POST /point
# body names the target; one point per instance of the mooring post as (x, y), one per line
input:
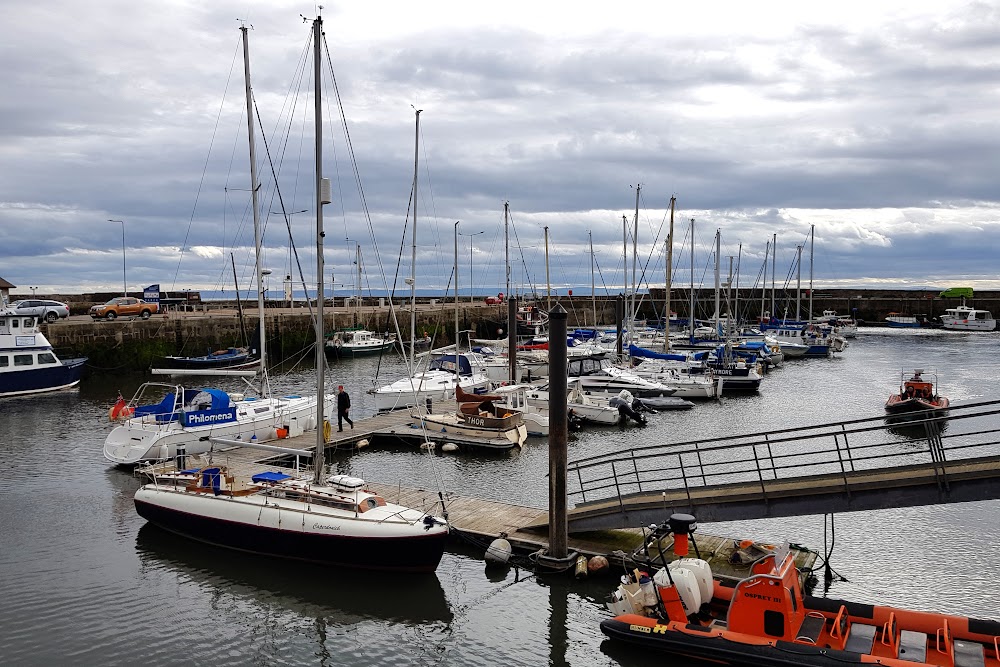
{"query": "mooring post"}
(512, 339)
(619, 317)
(558, 449)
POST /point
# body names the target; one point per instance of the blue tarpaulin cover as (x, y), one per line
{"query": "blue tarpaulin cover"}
(270, 477)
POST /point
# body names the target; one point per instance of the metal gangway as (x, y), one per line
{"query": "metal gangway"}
(861, 464)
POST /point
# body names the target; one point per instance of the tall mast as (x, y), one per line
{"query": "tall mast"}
(774, 257)
(798, 282)
(358, 308)
(812, 243)
(413, 247)
(548, 284)
(691, 311)
(670, 265)
(321, 199)
(593, 294)
(265, 388)
(456, 302)
(763, 283)
(635, 253)
(718, 250)
(506, 248)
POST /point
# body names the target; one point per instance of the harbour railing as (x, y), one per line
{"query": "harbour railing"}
(841, 458)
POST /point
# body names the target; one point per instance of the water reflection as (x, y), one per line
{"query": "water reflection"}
(341, 597)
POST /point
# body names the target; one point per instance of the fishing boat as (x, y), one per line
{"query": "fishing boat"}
(964, 318)
(333, 520)
(28, 365)
(162, 417)
(766, 620)
(901, 321)
(916, 395)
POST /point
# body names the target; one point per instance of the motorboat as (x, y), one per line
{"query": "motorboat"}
(916, 395)
(358, 342)
(436, 383)
(28, 364)
(964, 318)
(589, 408)
(600, 376)
(518, 397)
(339, 522)
(901, 321)
(843, 325)
(766, 620)
(161, 417)
(478, 416)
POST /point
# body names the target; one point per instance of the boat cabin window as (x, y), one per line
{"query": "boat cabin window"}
(447, 363)
(23, 360)
(46, 358)
(4, 361)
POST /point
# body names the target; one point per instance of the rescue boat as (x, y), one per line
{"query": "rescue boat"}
(916, 394)
(765, 620)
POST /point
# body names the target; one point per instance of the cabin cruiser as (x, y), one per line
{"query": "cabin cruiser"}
(964, 318)
(600, 376)
(28, 365)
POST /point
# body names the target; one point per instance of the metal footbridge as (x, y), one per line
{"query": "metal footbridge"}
(863, 464)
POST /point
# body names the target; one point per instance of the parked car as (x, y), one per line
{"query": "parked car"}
(123, 306)
(50, 311)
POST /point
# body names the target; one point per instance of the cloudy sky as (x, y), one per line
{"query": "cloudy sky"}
(873, 123)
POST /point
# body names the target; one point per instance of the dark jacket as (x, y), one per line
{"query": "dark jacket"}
(343, 401)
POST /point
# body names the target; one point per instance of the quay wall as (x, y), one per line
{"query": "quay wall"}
(193, 329)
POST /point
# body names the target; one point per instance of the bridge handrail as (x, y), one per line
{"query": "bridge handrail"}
(717, 457)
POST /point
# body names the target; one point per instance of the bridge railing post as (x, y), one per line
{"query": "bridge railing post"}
(583, 491)
(847, 447)
(843, 468)
(618, 490)
(635, 469)
(687, 488)
(760, 473)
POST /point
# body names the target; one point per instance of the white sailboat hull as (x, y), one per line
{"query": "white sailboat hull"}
(143, 439)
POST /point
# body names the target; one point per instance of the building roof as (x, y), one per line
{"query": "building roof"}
(5, 285)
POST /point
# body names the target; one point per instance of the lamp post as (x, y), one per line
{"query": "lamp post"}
(124, 281)
(471, 298)
(288, 282)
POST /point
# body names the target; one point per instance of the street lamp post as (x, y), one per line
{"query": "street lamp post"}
(124, 281)
(471, 297)
(289, 283)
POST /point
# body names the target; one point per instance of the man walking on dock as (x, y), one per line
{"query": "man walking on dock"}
(343, 407)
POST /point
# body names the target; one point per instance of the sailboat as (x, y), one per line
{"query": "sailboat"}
(335, 521)
(216, 362)
(161, 417)
(444, 372)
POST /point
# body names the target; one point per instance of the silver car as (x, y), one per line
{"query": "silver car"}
(50, 311)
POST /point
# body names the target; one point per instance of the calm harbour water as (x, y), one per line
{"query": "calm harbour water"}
(85, 581)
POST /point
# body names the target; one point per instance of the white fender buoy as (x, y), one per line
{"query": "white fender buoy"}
(498, 552)
(449, 447)
(428, 446)
(362, 443)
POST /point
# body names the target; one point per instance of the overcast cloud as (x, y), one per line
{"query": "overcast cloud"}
(876, 123)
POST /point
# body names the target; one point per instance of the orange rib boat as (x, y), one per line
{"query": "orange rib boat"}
(765, 620)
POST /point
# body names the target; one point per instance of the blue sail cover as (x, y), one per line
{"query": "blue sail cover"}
(636, 351)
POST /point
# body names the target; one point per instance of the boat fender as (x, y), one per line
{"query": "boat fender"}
(362, 443)
(702, 572)
(580, 569)
(686, 584)
(598, 565)
(499, 551)
(428, 446)
(449, 447)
